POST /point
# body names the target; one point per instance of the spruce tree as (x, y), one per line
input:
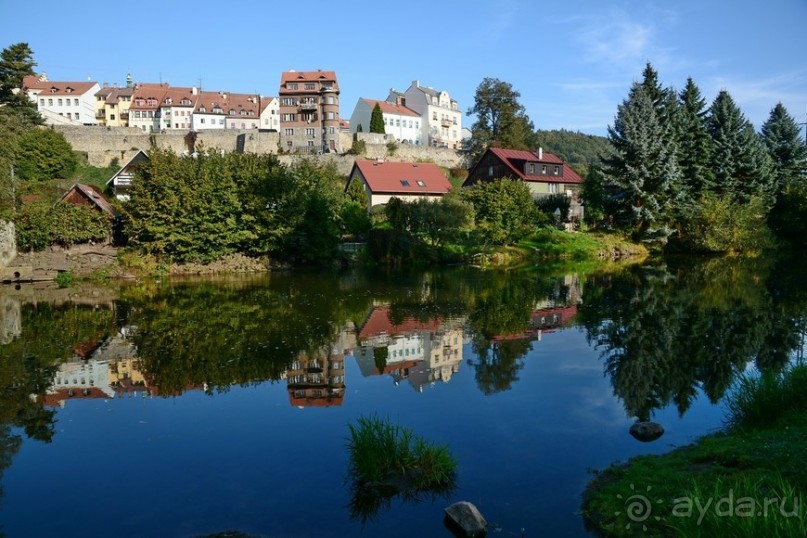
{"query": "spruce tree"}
(740, 163)
(643, 168)
(782, 138)
(695, 145)
(377, 120)
(16, 62)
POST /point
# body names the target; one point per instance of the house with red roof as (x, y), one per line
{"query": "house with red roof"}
(543, 172)
(409, 182)
(72, 101)
(399, 121)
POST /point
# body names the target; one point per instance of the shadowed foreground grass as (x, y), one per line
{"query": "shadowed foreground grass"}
(747, 481)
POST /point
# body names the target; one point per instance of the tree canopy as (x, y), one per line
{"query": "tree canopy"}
(377, 120)
(16, 62)
(501, 119)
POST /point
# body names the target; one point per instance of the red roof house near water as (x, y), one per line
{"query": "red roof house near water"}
(407, 181)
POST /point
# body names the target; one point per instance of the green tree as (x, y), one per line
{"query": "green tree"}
(501, 120)
(643, 169)
(16, 62)
(377, 120)
(504, 211)
(694, 142)
(44, 154)
(742, 167)
(782, 138)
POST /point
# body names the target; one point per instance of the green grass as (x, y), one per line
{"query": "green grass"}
(753, 468)
(389, 461)
(581, 246)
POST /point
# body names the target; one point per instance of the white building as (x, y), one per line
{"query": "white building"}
(74, 101)
(441, 117)
(270, 113)
(399, 121)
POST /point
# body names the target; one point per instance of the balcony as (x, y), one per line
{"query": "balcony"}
(445, 122)
(309, 106)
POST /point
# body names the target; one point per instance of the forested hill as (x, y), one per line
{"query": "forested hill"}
(579, 150)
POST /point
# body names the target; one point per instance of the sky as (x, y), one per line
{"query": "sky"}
(572, 62)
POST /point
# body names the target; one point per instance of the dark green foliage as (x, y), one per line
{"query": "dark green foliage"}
(501, 120)
(788, 218)
(436, 222)
(741, 166)
(504, 211)
(41, 224)
(203, 208)
(44, 154)
(16, 62)
(760, 401)
(694, 142)
(377, 120)
(359, 147)
(643, 170)
(549, 204)
(716, 224)
(579, 150)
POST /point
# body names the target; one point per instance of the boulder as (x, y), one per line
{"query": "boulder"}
(465, 517)
(646, 431)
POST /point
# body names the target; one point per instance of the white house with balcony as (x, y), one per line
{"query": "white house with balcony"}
(74, 101)
(399, 121)
(441, 117)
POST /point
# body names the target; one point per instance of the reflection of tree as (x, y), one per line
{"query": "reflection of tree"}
(663, 332)
(497, 364)
(192, 335)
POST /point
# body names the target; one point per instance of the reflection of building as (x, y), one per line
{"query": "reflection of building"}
(106, 370)
(542, 320)
(421, 351)
(317, 381)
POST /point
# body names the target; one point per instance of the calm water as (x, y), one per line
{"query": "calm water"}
(189, 408)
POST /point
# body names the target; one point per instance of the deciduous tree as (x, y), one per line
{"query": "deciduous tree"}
(501, 119)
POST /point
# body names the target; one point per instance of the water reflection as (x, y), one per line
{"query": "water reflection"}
(664, 334)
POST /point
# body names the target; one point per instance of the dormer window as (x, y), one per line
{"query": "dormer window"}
(291, 86)
(168, 101)
(232, 112)
(186, 101)
(201, 110)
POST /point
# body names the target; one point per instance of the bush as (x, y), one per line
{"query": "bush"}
(719, 224)
(44, 154)
(39, 225)
(359, 147)
(504, 211)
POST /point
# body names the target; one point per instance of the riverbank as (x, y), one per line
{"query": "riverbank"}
(749, 480)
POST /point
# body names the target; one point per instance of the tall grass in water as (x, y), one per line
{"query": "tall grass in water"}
(760, 401)
(388, 460)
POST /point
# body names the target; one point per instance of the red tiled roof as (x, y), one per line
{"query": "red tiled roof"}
(510, 156)
(53, 399)
(51, 87)
(391, 108)
(231, 101)
(402, 178)
(378, 322)
(307, 76)
(146, 92)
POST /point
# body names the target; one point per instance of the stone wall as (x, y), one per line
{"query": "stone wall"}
(8, 243)
(103, 144)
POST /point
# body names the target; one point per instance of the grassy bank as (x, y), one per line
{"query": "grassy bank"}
(581, 246)
(748, 480)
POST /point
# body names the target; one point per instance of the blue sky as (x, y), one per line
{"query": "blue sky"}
(572, 62)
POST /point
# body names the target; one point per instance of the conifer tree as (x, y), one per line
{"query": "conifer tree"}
(782, 138)
(377, 120)
(739, 161)
(695, 145)
(643, 168)
(16, 62)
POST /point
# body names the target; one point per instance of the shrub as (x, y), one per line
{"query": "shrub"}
(719, 224)
(39, 225)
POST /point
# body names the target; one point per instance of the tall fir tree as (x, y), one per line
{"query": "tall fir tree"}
(17, 62)
(643, 169)
(377, 120)
(695, 144)
(782, 137)
(740, 163)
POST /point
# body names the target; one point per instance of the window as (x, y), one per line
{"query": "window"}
(287, 117)
(310, 143)
(557, 170)
(311, 132)
(532, 169)
(421, 183)
(410, 124)
(332, 130)
(75, 102)
(111, 116)
(543, 169)
(329, 100)
(291, 86)
(404, 183)
(331, 116)
(553, 188)
(289, 132)
(201, 120)
(288, 101)
(490, 171)
(41, 102)
(309, 86)
(60, 102)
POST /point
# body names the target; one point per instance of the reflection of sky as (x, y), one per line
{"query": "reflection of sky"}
(247, 460)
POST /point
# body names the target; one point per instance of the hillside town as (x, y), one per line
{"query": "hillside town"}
(305, 111)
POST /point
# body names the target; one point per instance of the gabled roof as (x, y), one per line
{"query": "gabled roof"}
(307, 76)
(91, 195)
(391, 108)
(141, 155)
(515, 159)
(379, 322)
(402, 178)
(227, 101)
(146, 92)
(52, 87)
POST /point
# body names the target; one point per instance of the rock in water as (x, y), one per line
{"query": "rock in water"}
(467, 518)
(646, 431)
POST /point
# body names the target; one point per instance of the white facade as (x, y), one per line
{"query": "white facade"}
(74, 101)
(270, 115)
(399, 121)
(441, 117)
